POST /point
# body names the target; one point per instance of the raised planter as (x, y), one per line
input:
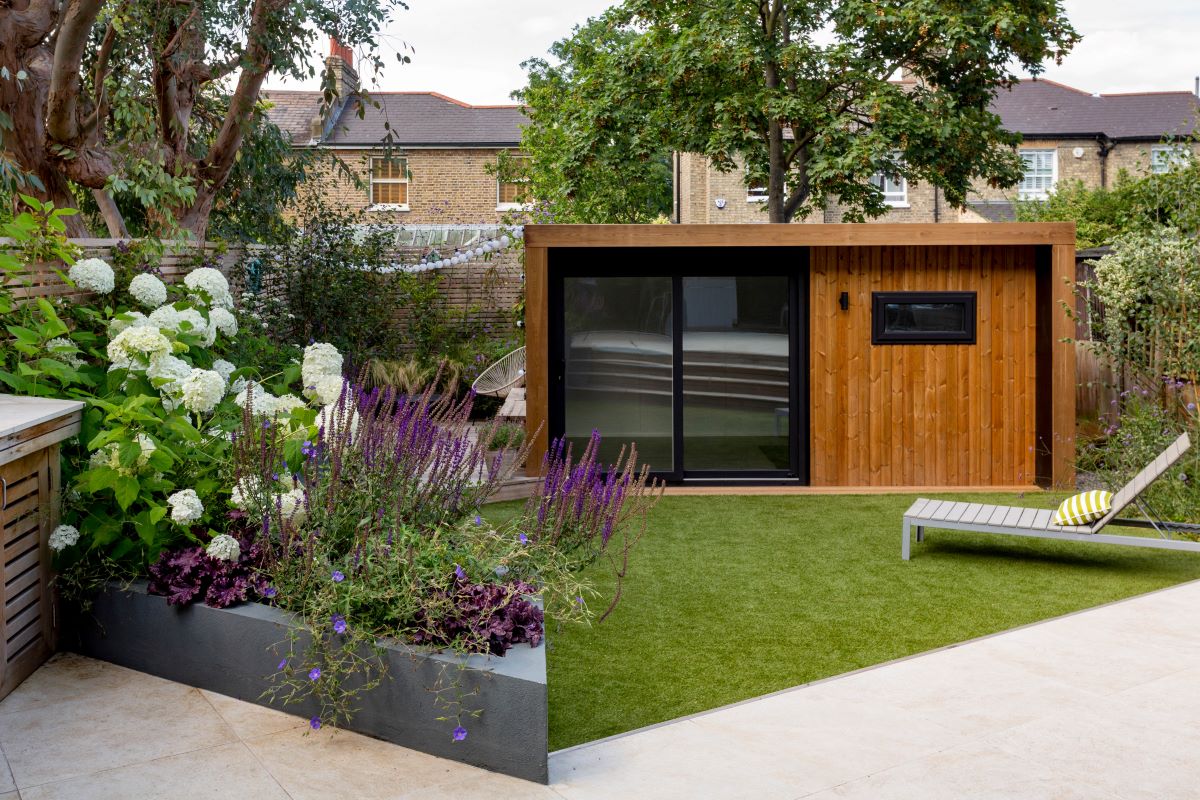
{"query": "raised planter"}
(233, 651)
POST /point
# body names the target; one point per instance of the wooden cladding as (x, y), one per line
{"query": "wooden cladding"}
(996, 412)
(923, 414)
(26, 616)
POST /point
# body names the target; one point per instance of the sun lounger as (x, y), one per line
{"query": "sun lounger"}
(1039, 523)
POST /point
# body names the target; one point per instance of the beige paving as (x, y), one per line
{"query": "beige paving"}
(1102, 705)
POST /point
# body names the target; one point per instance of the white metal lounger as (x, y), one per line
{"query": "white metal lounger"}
(949, 515)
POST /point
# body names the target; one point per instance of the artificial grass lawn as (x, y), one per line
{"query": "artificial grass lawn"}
(729, 598)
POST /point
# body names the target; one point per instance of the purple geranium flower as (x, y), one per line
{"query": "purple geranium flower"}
(315, 723)
(282, 664)
(314, 673)
(337, 576)
(339, 623)
(459, 572)
(478, 520)
(523, 538)
(270, 592)
(460, 733)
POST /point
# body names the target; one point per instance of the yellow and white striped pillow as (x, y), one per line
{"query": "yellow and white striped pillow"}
(1083, 508)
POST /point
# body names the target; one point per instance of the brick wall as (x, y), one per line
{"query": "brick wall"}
(445, 187)
(702, 185)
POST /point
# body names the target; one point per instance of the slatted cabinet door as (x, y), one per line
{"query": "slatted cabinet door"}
(26, 616)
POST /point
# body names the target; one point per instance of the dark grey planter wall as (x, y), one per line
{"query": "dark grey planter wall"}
(233, 651)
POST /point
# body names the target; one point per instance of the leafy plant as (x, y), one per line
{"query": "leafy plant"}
(190, 575)
(507, 435)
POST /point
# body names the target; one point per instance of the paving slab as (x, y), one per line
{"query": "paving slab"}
(1098, 705)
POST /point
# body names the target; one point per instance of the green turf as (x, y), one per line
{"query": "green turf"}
(733, 597)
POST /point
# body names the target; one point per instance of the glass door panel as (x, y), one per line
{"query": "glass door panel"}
(618, 366)
(736, 374)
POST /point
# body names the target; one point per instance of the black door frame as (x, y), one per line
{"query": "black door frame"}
(678, 263)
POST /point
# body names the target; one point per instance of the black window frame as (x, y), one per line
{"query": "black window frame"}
(879, 300)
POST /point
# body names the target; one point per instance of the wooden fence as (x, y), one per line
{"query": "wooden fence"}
(489, 288)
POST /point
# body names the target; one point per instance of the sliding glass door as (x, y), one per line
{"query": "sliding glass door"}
(700, 371)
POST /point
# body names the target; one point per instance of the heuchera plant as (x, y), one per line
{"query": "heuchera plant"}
(190, 575)
(492, 616)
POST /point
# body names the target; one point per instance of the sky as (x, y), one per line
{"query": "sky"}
(472, 49)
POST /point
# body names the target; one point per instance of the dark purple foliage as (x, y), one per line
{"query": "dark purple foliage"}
(187, 575)
(486, 617)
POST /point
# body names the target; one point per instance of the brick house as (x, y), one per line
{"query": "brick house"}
(1068, 134)
(422, 157)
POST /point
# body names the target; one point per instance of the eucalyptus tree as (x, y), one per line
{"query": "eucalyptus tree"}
(813, 97)
(148, 103)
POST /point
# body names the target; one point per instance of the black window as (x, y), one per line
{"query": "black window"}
(923, 318)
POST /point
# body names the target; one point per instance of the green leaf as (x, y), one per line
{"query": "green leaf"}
(126, 490)
(129, 453)
(180, 426)
(100, 478)
(157, 513)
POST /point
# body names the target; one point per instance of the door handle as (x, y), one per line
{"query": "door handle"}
(4, 502)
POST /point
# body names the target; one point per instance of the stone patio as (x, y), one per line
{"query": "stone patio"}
(1100, 705)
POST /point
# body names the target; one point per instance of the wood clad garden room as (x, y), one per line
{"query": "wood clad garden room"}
(894, 356)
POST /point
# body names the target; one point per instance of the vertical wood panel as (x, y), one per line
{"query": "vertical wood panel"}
(922, 414)
(537, 356)
(1064, 377)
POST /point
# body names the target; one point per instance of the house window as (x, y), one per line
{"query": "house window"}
(1166, 157)
(389, 183)
(510, 195)
(1041, 173)
(923, 318)
(894, 188)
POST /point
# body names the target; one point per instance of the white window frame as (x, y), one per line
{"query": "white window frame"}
(502, 206)
(1165, 157)
(755, 194)
(372, 205)
(1030, 187)
(897, 195)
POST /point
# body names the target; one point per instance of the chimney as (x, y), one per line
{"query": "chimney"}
(1198, 86)
(341, 63)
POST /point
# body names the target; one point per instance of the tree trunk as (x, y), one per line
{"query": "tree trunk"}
(776, 173)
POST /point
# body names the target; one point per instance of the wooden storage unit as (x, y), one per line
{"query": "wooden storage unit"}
(31, 429)
(996, 409)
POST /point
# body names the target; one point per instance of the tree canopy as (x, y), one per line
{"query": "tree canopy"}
(148, 105)
(806, 94)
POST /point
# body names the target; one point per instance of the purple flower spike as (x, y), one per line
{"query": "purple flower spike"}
(460, 733)
(282, 665)
(314, 674)
(315, 723)
(339, 623)
(337, 576)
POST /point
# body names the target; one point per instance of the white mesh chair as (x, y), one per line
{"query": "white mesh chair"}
(502, 377)
(1039, 523)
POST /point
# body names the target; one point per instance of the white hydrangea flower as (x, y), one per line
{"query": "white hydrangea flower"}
(224, 547)
(225, 368)
(238, 386)
(242, 491)
(173, 319)
(167, 373)
(202, 390)
(185, 506)
(129, 319)
(320, 359)
(65, 351)
(63, 537)
(138, 348)
(148, 290)
(328, 389)
(223, 320)
(148, 448)
(287, 403)
(209, 286)
(93, 275)
(291, 506)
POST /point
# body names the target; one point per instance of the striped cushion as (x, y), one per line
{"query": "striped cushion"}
(1083, 508)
